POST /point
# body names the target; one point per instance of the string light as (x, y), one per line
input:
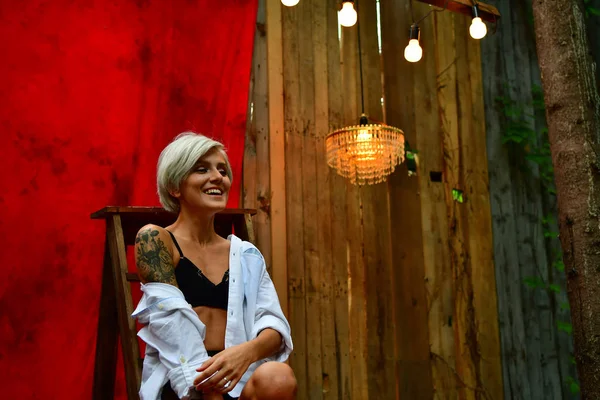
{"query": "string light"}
(290, 3)
(413, 52)
(477, 30)
(347, 16)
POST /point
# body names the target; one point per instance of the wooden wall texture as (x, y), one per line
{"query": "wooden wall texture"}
(536, 355)
(390, 289)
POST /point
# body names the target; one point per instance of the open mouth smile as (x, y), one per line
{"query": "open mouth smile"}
(214, 192)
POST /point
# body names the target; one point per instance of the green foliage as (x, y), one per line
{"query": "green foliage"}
(590, 10)
(521, 134)
(553, 287)
(520, 129)
(534, 282)
(559, 265)
(573, 385)
(564, 327)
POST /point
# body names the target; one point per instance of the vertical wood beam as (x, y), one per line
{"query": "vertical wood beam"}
(438, 272)
(474, 169)
(413, 370)
(357, 300)
(376, 227)
(339, 209)
(128, 331)
(326, 283)
(294, 130)
(277, 161)
(309, 195)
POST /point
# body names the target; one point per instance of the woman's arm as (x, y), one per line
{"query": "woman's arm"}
(153, 257)
(266, 344)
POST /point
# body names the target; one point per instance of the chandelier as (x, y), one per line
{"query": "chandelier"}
(365, 153)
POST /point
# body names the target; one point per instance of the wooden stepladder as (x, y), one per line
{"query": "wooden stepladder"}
(116, 303)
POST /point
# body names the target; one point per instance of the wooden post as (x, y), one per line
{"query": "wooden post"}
(474, 170)
(357, 300)
(309, 195)
(438, 272)
(412, 335)
(128, 331)
(326, 283)
(277, 159)
(293, 124)
(339, 208)
(377, 240)
(108, 333)
(256, 173)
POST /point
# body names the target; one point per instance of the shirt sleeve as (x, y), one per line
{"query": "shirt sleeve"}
(269, 315)
(175, 332)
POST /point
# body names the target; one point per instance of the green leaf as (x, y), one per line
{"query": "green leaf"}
(534, 282)
(550, 234)
(554, 287)
(548, 219)
(593, 11)
(565, 326)
(512, 138)
(540, 159)
(573, 385)
(457, 195)
(565, 306)
(559, 265)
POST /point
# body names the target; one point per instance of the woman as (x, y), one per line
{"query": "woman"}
(212, 320)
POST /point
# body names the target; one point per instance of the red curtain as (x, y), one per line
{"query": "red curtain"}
(90, 92)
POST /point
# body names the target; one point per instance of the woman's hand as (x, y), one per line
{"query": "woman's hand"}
(223, 371)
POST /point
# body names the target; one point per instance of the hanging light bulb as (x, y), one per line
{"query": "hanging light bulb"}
(347, 15)
(290, 3)
(413, 52)
(477, 30)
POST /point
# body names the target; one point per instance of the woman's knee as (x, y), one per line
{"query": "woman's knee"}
(274, 380)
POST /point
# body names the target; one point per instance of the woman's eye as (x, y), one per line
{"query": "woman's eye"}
(202, 170)
(223, 172)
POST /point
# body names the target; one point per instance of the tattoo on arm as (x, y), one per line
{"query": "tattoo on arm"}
(154, 262)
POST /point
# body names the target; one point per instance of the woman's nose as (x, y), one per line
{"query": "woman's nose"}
(215, 176)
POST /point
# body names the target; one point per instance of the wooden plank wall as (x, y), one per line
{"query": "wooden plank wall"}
(389, 288)
(536, 355)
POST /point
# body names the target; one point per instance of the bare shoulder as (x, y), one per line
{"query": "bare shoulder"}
(153, 255)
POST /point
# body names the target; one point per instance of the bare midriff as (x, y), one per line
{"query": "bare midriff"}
(215, 320)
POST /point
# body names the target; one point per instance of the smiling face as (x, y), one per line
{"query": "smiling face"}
(207, 186)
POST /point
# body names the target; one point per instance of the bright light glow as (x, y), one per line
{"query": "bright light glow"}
(413, 52)
(364, 146)
(477, 28)
(347, 15)
(290, 3)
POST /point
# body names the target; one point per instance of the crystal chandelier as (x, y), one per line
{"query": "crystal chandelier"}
(365, 153)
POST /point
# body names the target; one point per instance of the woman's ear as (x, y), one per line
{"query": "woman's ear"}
(175, 193)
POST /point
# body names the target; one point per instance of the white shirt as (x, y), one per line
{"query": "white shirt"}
(174, 335)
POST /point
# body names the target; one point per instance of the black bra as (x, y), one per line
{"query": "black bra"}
(196, 287)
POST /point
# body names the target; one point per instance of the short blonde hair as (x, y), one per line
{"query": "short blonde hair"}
(176, 162)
